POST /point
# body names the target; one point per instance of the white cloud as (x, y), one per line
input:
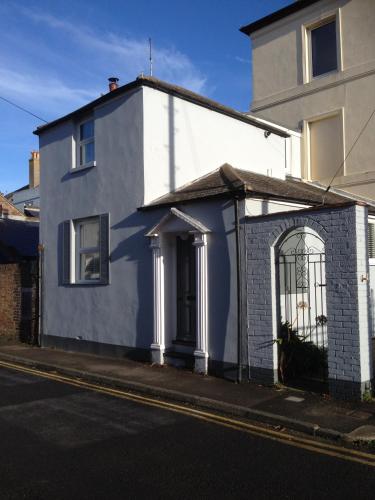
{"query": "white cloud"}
(242, 60)
(129, 54)
(41, 94)
(49, 84)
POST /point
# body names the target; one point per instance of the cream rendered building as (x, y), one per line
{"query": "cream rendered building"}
(314, 71)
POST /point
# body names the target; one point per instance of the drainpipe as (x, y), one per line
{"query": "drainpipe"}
(40, 294)
(238, 197)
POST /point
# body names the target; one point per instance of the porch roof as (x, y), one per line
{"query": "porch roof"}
(230, 181)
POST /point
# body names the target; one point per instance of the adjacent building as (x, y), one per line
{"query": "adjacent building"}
(26, 198)
(19, 279)
(314, 71)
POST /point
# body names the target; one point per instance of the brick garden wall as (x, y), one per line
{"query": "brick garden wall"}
(19, 301)
(344, 231)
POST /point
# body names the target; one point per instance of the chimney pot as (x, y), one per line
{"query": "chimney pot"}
(113, 83)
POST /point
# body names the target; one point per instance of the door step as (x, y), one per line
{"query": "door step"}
(179, 359)
(183, 347)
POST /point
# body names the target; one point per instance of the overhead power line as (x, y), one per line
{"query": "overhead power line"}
(350, 150)
(23, 109)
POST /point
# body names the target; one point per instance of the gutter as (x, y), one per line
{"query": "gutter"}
(276, 16)
(167, 88)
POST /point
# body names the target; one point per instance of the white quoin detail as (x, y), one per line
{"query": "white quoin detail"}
(158, 344)
(201, 352)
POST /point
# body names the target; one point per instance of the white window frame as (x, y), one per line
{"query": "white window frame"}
(78, 143)
(307, 28)
(78, 251)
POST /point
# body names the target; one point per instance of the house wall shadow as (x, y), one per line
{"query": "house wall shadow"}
(135, 248)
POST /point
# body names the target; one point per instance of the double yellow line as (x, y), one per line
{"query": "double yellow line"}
(231, 423)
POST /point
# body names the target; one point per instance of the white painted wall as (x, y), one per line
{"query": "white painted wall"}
(257, 206)
(183, 141)
(293, 149)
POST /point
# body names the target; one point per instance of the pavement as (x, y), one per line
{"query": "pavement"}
(281, 407)
(65, 441)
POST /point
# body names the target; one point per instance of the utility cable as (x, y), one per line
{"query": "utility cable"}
(23, 109)
(346, 157)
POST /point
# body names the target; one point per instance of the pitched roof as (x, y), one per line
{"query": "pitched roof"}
(227, 181)
(167, 88)
(8, 207)
(20, 236)
(277, 15)
(23, 188)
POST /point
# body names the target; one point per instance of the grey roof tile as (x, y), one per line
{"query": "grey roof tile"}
(227, 180)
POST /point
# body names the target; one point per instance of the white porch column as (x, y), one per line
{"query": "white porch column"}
(201, 352)
(158, 344)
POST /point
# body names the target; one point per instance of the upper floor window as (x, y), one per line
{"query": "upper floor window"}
(323, 48)
(86, 147)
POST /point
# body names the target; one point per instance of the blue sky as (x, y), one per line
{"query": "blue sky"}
(57, 55)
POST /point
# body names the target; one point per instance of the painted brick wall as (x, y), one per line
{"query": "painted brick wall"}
(19, 301)
(344, 231)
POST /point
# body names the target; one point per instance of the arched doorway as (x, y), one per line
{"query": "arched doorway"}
(302, 337)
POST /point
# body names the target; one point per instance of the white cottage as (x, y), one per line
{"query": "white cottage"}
(154, 251)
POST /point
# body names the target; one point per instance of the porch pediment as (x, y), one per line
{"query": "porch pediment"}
(177, 221)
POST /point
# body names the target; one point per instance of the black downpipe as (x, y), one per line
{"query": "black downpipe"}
(239, 292)
(40, 294)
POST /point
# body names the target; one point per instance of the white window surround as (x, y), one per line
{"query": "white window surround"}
(306, 44)
(79, 147)
(200, 243)
(306, 139)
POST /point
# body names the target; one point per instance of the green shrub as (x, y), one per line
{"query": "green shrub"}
(298, 356)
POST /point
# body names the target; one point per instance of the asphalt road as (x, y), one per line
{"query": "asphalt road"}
(60, 441)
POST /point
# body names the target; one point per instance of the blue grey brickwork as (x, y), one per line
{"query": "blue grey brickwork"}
(344, 231)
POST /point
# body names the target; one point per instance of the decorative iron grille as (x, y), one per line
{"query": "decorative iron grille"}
(302, 285)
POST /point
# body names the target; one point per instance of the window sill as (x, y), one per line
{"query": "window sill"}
(323, 75)
(81, 168)
(87, 283)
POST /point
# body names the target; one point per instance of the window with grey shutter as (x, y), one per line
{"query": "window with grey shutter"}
(104, 248)
(66, 257)
(86, 251)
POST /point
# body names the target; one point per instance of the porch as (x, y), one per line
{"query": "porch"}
(313, 269)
